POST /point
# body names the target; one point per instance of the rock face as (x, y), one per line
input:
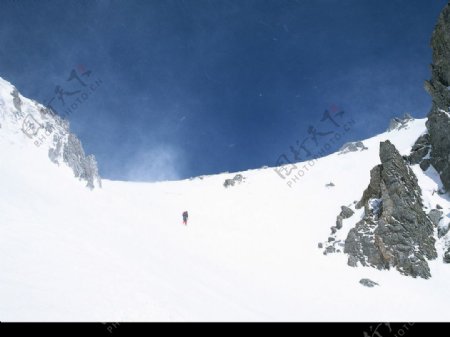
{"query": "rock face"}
(438, 123)
(395, 231)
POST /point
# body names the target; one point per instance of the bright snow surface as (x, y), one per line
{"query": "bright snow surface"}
(249, 252)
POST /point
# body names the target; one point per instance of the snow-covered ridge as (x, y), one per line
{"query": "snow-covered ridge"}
(26, 122)
(249, 251)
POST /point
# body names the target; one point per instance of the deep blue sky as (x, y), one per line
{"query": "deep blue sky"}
(192, 87)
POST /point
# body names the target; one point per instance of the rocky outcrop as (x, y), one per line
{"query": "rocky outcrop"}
(447, 256)
(398, 123)
(438, 123)
(368, 283)
(395, 231)
(443, 230)
(238, 178)
(346, 212)
(335, 244)
(420, 152)
(352, 147)
(435, 216)
(84, 167)
(65, 147)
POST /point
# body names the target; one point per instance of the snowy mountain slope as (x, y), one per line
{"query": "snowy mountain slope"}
(26, 122)
(249, 252)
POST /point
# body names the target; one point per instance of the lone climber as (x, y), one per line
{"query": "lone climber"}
(185, 217)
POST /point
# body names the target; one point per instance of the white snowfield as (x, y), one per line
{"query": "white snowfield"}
(249, 252)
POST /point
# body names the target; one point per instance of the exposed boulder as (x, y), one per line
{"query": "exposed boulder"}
(346, 212)
(339, 220)
(238, 178)
(352, 147)
(329, 250)
(395, 231)
(228, 183)
(443, 230)
(447, 256)
(368, 283)
(435, 216)
(330, 184)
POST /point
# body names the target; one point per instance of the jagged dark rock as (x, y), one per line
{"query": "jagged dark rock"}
(447, 256)
(339, 220)
(435, 216)
(320, 245)
(373, 188)
(420, 150)
(425, 164)
(443, 230)
(329, 250)
(346, 212)
(329, 185)
(438, 123)
(228, 183)
(395, 231)
(368, 283)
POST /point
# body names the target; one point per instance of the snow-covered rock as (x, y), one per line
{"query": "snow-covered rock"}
(22, 119)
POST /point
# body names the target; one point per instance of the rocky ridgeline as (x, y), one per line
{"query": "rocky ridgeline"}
(46, 129)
